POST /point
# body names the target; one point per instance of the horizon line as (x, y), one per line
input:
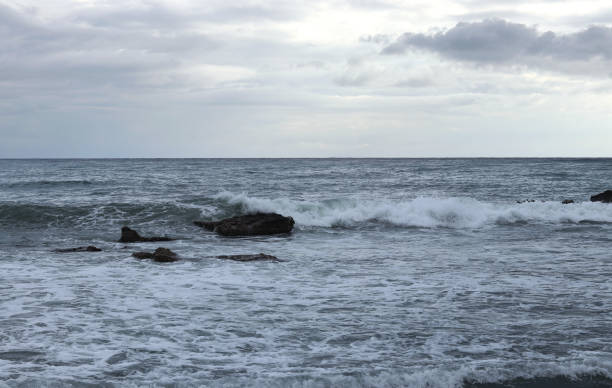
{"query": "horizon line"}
(306, 157)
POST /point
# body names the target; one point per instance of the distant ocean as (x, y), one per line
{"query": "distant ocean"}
(398, 273)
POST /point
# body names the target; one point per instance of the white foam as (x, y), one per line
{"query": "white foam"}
(451, 212)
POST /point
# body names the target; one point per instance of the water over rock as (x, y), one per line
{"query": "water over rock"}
(567, 201)
(257, 257)
(129, 236)
(250, 225)
(89, 248)
(606, 197)
(162, 255)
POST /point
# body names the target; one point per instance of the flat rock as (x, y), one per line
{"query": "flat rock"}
(250, 225)
(129, 236)
(89, 248)
(606, 197)
(162, 255)
(257, 257)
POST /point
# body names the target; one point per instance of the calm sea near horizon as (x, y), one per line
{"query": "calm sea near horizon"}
(398, 273)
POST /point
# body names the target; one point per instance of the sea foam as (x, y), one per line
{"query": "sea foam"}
(429, 212)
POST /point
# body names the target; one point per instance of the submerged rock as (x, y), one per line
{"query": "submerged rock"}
(606, 197)
(129, 235)
(250, 225)
(162, 255)
(89, 248)
(567, 201)
(258, 257)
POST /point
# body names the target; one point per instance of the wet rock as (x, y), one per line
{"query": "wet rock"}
(129, 236)
(142, 255)
(162, 255)
(89, 248)
(250, 225)
(526, 201)
(567, 201)
(606, 197)
(258, 257)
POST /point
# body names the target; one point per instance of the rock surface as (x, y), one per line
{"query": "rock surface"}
(129, 236)
(606, 197)
(567, 201)
(89, 248)
(162, 255)
(250, 225)
(258, 257)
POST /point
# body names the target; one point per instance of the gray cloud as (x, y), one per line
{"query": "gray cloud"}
(496, 41)
(214, 78)
(159, 16)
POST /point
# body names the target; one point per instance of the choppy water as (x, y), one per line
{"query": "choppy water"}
(416, 273)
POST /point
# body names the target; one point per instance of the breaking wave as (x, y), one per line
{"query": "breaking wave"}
(421, 212)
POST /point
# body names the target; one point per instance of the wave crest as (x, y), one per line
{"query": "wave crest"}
(420, 212)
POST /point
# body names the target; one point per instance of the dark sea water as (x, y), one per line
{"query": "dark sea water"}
(399, 273)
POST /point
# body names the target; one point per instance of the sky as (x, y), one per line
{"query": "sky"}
(337, 78)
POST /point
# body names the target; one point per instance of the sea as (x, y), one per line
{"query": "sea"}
(398, 273)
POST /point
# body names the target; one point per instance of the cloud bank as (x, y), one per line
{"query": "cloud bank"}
(496, 41)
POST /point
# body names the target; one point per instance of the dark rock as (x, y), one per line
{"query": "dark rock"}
(207, 225)
(250, 225)
(259, 257)
(129, 236)
(142, 255)
(89, 248)
(567, 201)
(526, 201)
(606, 197)
(162, 255)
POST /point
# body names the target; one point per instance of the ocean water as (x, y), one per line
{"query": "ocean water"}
(399, 273)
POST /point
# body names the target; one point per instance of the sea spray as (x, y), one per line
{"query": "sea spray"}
(428, 212)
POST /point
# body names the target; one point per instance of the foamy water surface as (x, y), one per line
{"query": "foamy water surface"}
(416, 273)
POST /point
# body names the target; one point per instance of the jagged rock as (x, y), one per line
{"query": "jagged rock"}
(129, 236)
(567, 201)
(162, 255)
(258, 257)
(606, 197)
(250, 225)
(89, 248)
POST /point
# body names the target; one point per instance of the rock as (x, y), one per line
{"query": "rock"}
(259, 257)
(606, 197)
(207, 225)
(142, 255)
(567, 201)
(129, 236)
(162, 255)
(89, 248)
(526, 201)
(250, 225)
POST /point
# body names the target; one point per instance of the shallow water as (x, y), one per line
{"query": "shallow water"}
(400, 272)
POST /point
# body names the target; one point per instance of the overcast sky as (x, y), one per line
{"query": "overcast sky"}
(345, 78)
